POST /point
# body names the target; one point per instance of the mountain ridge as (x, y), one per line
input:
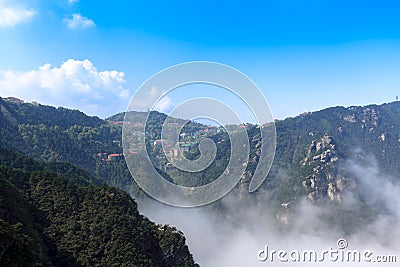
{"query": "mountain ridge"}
(313, 168)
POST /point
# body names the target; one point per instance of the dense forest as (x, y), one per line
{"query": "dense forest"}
(56, 214)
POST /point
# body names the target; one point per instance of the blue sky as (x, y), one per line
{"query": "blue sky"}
(304, 55)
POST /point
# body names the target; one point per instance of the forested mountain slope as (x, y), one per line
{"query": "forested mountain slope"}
(312, 149)
(55, 214)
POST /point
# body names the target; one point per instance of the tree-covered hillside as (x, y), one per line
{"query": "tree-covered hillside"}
(55, 214)
(62, 135)
(310, 162)
(313, 149)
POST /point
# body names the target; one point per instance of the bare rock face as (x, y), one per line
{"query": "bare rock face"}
(323, 175)
(322, 150)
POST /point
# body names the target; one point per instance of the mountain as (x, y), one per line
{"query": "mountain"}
(313, 157)
(56, 214)
(315, 147)
(61, 135)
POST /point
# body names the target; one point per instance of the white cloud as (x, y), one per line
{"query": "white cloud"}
(76, 84)
(78, 21)
(73, 1)
(164, 105)
(13, 15)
